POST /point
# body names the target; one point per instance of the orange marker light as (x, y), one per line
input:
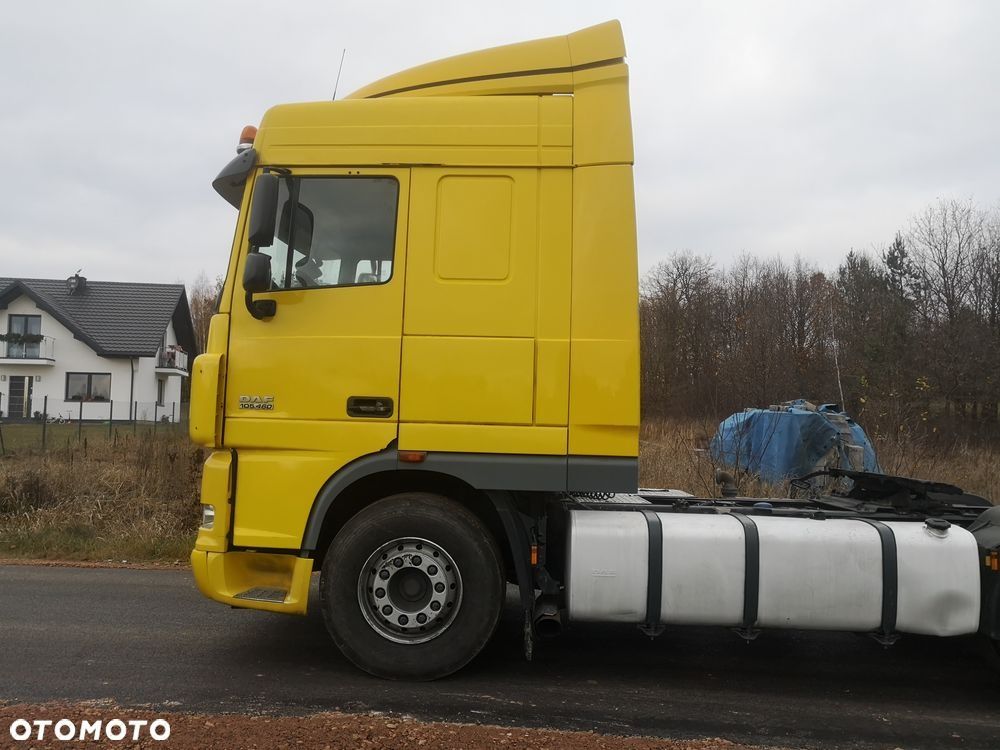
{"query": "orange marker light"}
(534, 554)
(246, 138)
(412, 457)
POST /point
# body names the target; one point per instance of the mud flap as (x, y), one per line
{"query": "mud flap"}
(520, 549)
(986, 530)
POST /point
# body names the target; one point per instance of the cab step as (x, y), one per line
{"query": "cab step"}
(263, 594)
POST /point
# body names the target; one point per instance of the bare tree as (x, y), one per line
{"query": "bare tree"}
(945, 238)
(202, 297)
(915, 326)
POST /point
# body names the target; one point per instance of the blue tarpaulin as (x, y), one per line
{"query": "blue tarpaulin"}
(792, 440)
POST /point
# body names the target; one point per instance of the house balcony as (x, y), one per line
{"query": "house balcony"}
(172, 362)
(33, 352)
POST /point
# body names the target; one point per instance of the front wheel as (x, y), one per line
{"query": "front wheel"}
(412, 587)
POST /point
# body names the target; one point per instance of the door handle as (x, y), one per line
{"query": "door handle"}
(369, 406)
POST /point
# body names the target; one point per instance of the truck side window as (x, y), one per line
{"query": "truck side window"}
(333, 231)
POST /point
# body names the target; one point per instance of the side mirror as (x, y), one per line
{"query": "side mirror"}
(263, 209)
(257, 278)
(257, 273)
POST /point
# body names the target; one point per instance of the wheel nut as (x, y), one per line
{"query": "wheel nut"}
(383, 574)
(398, 562)
(421, 618)
(387, 610)
(379, 593)
(415, 560)
(432, 570)
(435, 606)
(439, 587)
(403, 619)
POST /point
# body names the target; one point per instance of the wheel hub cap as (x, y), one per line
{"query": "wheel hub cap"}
(409, 590)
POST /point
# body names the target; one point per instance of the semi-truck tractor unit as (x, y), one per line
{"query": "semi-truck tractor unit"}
(422, 382)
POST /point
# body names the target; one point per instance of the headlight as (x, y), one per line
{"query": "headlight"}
(207, 516)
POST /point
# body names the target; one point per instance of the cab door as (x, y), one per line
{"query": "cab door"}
(317, 385)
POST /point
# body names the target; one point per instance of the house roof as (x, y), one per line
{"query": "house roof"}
(114, 318)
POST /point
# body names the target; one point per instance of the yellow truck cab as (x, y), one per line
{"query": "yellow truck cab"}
(430, 304)
(422, 381)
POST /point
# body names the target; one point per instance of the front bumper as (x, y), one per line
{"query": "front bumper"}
(254, 580)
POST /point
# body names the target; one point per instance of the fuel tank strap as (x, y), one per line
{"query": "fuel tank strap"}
(751, 571)
(654, 582)
(890, 576)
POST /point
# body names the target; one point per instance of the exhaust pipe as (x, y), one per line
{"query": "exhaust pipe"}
(728, 483)
(548, 619)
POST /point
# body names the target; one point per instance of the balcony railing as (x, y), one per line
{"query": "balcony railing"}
(172, 359)
(43, 348)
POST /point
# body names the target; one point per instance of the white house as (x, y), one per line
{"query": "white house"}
(99, 349)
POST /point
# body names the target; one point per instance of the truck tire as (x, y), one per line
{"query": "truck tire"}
(412, 587)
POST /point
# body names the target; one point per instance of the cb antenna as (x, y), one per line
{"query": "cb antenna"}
(836, 358)
(339, 71)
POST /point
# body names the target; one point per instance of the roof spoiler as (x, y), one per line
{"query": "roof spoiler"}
(541, 66)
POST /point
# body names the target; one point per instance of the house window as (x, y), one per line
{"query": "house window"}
(159, 391)
(88, 386)
(25, 343)
(343, 233)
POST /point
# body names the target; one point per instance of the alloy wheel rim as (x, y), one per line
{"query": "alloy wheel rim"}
(410, 590)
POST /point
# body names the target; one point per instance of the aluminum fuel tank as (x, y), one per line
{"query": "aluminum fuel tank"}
(762, 571)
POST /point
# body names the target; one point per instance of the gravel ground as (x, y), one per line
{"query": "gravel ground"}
(326, 731)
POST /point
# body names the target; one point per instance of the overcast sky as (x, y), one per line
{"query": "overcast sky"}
(771, 127)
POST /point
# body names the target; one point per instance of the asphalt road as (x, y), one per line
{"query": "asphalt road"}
(146, 637)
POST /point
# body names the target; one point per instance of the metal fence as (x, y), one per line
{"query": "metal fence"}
(48, 422)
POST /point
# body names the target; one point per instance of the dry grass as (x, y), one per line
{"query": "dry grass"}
(674, 454)
(135, 497)
(940, 456)
(27, 437)
(131, 498)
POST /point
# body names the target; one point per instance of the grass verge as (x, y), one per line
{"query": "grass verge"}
(131, 497)
(674, 453)
(134, 497)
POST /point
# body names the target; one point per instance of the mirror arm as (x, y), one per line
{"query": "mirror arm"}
(260, 308)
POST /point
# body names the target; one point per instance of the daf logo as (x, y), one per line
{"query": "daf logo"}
(265, 403)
